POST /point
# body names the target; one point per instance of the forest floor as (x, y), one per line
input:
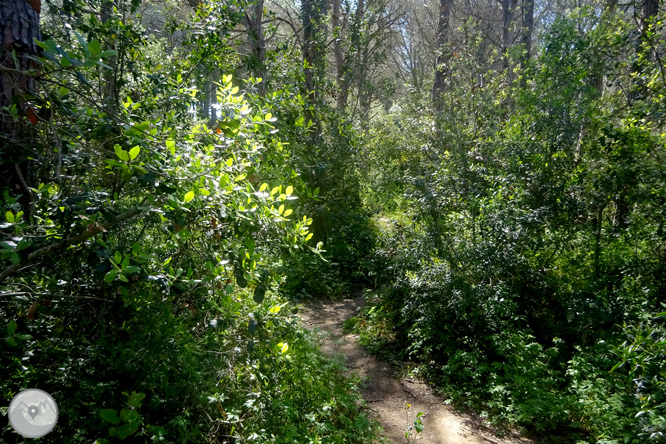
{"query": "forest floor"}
(394, 400)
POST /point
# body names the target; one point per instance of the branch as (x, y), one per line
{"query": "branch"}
(28, 293)
(91, 231)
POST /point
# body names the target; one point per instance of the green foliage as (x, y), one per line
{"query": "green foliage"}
(140, 275)
(521, 227)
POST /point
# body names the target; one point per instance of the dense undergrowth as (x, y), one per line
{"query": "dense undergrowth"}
(147, 254)
(161, 204)
(522, 239)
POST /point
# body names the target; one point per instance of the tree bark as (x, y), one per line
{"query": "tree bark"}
(20, 27)
(343, 86)
(526, 37)
(443, 54)
(507, 18)
(256, 34)
(314, 58)
(110, 90)
(19, 20)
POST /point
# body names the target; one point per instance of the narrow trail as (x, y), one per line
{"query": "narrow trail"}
(388, 396)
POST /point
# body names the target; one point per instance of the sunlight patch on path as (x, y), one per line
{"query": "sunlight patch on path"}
(394, 402)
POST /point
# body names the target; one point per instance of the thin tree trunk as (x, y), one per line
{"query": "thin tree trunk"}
(110, 90)
(526, 40)
(314, 58)
(507, 18)
(343, 86)
(256, 34)
(443, 54)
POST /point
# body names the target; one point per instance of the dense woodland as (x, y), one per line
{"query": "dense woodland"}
(177, 176)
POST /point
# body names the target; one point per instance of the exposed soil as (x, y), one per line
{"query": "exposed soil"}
(389, 396)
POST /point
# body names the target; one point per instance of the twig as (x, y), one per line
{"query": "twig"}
(31, 209)
(494, 441)
(405, 389)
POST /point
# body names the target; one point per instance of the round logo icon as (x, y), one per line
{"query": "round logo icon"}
(33, 413)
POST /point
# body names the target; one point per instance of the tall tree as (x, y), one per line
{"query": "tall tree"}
(254, 25)
(19, 20)
(313, 13)
(507, 19)
(443, 53)
(343, 85)
(526, 34)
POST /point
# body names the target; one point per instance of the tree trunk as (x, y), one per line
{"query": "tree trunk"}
(19, 20)
(526, 37)
(507, 18)
(443, 54)
(256, 34)
(20, 27)
(343, 86)
(110, 90)
(314, 58)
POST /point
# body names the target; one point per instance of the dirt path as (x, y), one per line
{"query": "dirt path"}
(387, 396)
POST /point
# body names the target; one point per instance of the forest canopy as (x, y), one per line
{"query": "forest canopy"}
(176, 177)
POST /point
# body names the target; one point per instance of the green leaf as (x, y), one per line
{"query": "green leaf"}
(117, 257)
(134, 152)
(171, 146)
(63, 91)
(11, 328)
(268, 116)
(123, 278)
(229, 288)
(275, 309)
(259, 294)
(108, 53)
(11, 341)
(132, 269)
(15, 258)
(283, 346)
(127, 429)
(9, 245)
(121, 153)
(189, 196)
(288, 212)
(128, 415)
(110, 415)
(290, 190)
(9, 216)
(110, 276)
(83, 43)
(23, 337)
(95, 48)
(136, 399)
